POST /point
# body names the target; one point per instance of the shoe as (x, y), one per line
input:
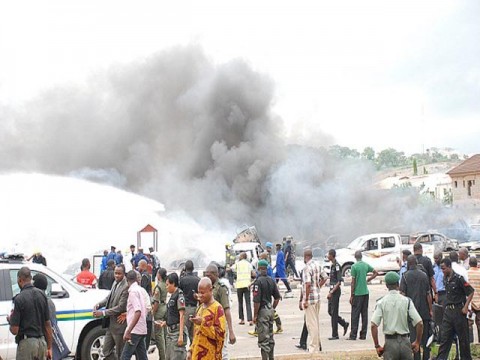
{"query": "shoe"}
(250, 323)
(253, 333)
(300, 346)
(288, 291)
(278, 331)
(345, 328)
(241, 322)
(333, 338)
(362, 338)
(349, 338)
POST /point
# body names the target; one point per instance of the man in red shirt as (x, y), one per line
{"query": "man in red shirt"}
(86, 277)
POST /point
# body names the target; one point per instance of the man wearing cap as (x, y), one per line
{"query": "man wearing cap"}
(111, 255)
(155, 260)
(264, 288)
(396, 311)
(269, 248)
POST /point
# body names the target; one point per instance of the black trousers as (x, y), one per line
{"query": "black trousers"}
(454, 322)
(333, 305)
(304, 336)
(291, 263)
(241, 294)
(285, 281)
(359, 308)
(425, 335)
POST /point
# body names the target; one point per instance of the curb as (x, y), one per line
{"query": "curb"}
(344, 354)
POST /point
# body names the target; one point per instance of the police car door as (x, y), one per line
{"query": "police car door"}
(7, 340)
(388, 253)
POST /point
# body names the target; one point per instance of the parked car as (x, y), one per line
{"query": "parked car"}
(382, 251)
(439, 241)
(82, 332)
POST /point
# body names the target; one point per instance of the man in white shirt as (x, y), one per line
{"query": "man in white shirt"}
(456, 267)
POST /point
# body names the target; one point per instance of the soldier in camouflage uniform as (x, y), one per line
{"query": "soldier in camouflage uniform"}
(264, 288)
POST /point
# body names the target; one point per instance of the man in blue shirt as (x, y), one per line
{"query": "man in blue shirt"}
(119, 258)
(440, 296)
(139, 256)
(112, 254)
(281, 274)
(103, 265)
(403, 264)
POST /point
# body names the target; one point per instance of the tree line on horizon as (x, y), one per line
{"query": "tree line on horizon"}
(392, 158)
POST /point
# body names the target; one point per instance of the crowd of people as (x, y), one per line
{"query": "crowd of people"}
(188, 317)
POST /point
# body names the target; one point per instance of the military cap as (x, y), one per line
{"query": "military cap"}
(392, 278)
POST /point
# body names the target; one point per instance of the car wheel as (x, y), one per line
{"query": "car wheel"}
(92, 347)
(347, 271)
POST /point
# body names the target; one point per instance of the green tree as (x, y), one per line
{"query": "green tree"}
(368, 153)
(391, 158)
(415, 169)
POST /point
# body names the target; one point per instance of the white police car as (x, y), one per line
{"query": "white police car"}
(83, 333)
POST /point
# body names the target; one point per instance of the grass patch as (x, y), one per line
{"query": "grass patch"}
(474, 348)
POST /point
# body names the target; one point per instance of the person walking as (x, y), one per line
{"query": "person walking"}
(159, 311)
(107, 278)
(114, 305)
(359, 297)
(30, 320)
(280, 273)
(243, 269)
(119, 258)
(112, 254)
(175, 322)
(396, 311)
(403, 263)
(459, 296)
(264, 289)
(289, 256)
(136, 330)
(146, 283)
(334, 296)
(210, 325)
(313, 279)
(189, 285)
(220, 294)
(416, 285)
(155, 260)
(86, 277)
(474, 280)
(440, 294)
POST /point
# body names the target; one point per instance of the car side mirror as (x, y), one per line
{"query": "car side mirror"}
(57, 291)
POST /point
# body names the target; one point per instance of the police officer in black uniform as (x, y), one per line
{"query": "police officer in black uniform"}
(30, 320)
(189, 286)
(459, 296)
(264, 289)
(334, 295)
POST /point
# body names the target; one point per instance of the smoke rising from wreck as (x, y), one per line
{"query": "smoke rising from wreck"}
(202, 138)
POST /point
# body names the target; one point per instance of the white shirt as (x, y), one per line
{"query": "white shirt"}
(460, 270)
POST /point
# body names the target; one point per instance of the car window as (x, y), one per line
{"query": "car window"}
(371, 244)
(387, 242)
(423, 239)
(16, 288)
(437, 237)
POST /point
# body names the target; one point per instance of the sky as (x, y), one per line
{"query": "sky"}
(401, 74)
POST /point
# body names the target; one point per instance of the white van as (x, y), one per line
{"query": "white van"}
(83, 333)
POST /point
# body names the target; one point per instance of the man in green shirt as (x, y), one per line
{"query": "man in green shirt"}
(359, 296)
(396, 311)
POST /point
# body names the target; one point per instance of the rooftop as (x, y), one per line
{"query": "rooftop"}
(471, 165)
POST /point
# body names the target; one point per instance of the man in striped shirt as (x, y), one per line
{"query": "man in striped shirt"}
(313, 280)
(474, 280)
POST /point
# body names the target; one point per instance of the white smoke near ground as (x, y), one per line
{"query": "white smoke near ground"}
(202, 139)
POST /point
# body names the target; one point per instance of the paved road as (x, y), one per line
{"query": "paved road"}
(292, 319)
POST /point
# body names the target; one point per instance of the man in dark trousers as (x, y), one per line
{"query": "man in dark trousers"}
(334, 296)
(30, 320)
(189, 285)
(114, 305)
(264, 289)
(146, 283)
(459, 296)
(107, 278)
(360, 296)
(416, 285)
(289, 256)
